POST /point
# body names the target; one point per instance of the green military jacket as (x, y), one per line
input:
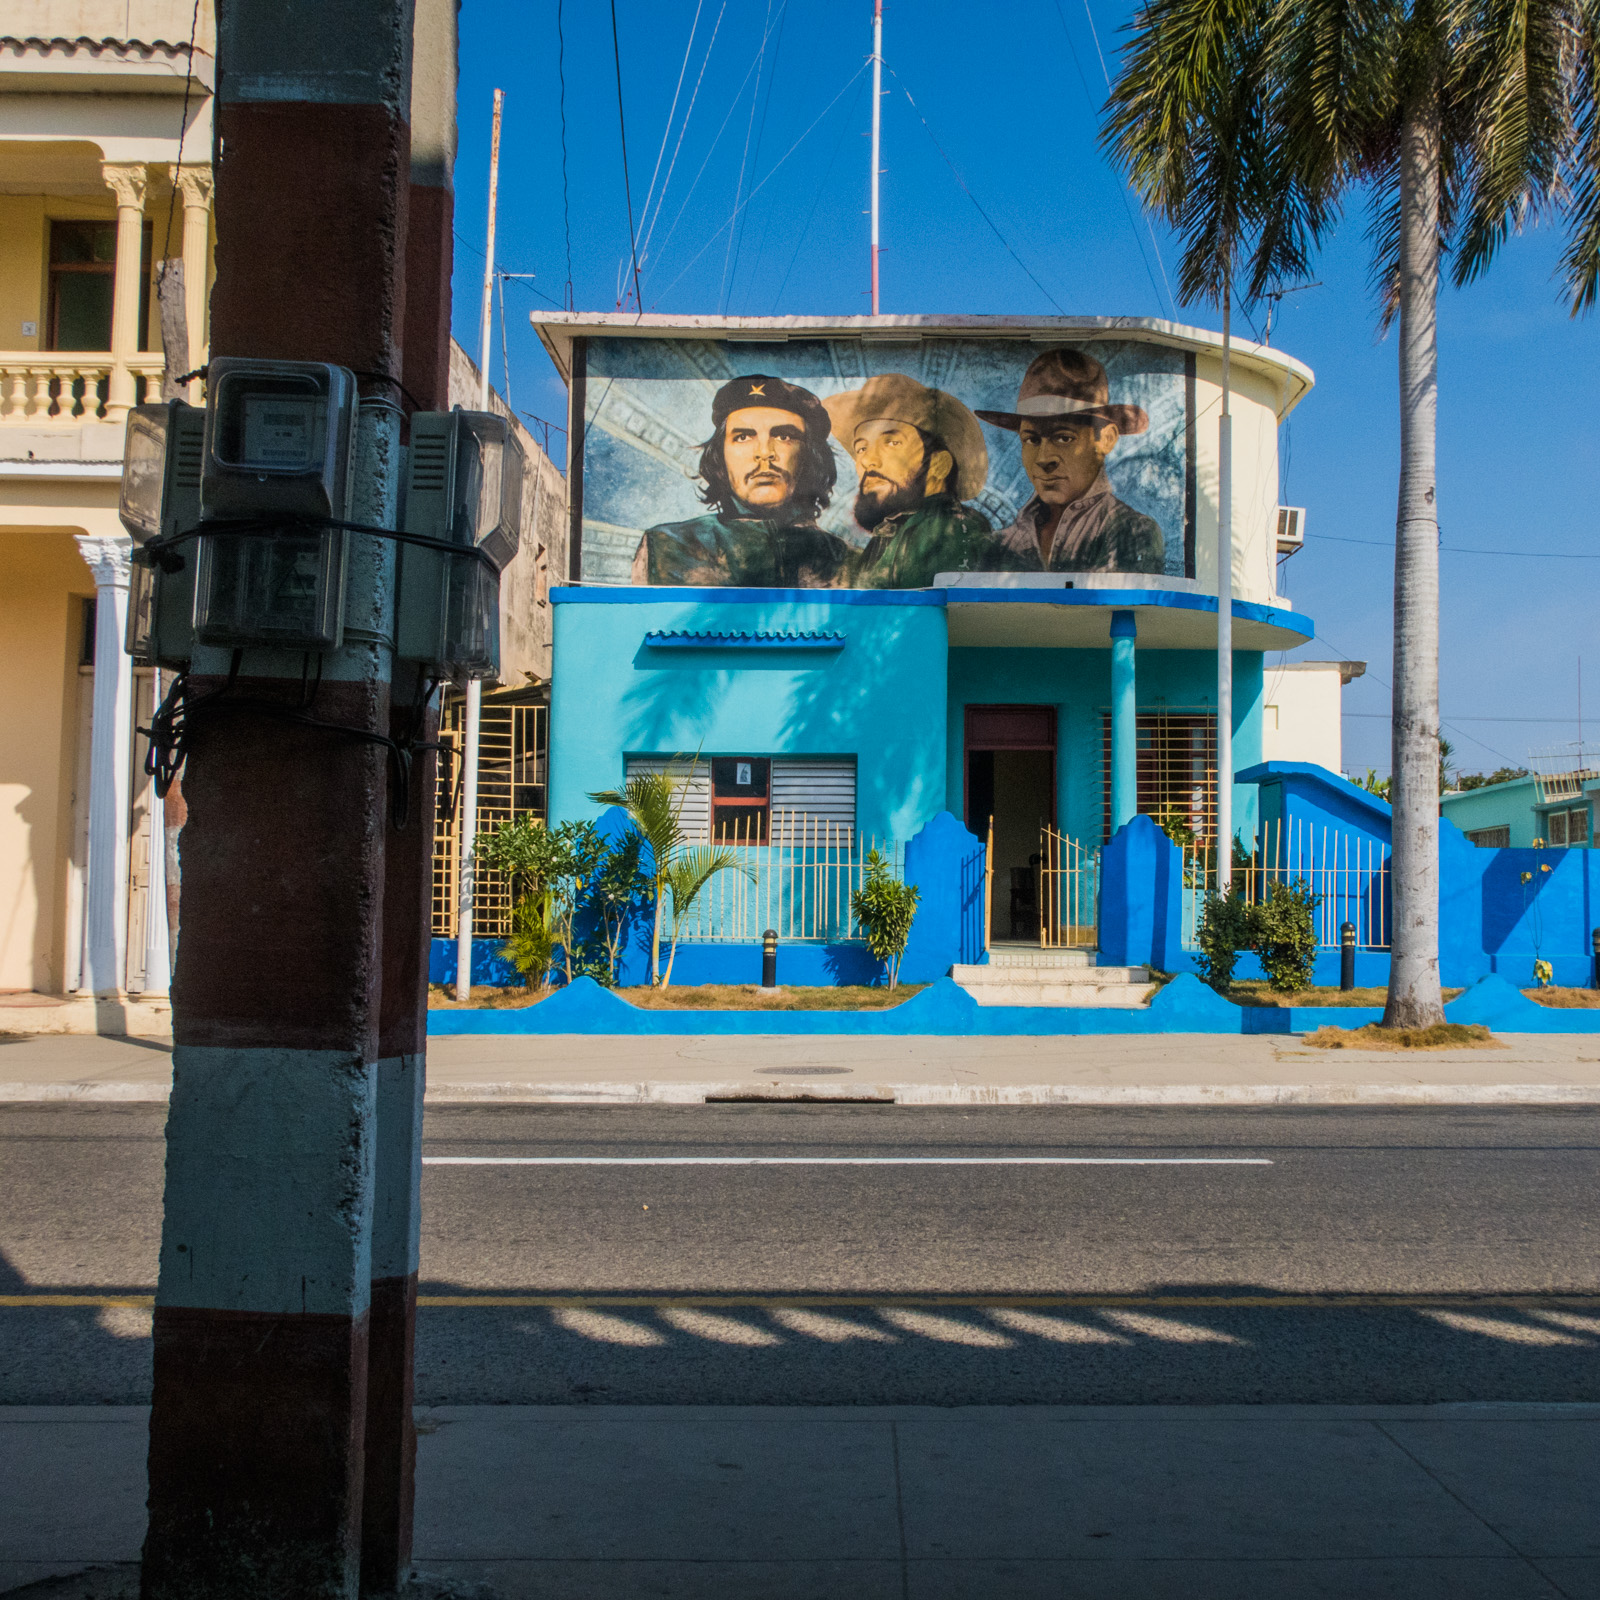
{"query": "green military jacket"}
(941, 535)
(741, 552)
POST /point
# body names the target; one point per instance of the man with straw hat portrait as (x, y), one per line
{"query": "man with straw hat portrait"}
(917, 452)
(1068, 425)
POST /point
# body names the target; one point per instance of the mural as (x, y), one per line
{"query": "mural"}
(882, 465)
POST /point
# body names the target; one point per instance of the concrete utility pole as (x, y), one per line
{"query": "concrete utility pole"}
(1225, 607)
(285, 1300)
(473, 730)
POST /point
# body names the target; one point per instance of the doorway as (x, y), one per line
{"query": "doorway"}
(1010, 776)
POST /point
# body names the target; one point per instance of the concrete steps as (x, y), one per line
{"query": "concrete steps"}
(1022, 975)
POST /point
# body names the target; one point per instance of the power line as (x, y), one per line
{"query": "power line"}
(622, 129)
(672, 111)
(972, 197)
(761, 135)
(1473, 550)
(744, 158)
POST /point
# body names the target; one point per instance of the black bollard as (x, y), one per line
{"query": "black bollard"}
(1594, 945)
(769, 958)
(1347, 955)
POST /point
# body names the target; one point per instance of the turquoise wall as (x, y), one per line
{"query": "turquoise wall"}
(1078, 684)
(881, 698)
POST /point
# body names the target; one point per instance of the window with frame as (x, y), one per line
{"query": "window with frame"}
(1567, 828)
(1177, 768)
(741, 799)
(83, 266)
(1490, 838)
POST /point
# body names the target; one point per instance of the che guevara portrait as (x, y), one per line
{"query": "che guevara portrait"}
(701, 468)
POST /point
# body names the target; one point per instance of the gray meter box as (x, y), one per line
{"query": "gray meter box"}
(161, 469)
(464, 488)
(277, 451)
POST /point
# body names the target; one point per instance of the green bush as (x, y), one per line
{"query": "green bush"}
(885, 908)
(1285, 935)
(1224, 930)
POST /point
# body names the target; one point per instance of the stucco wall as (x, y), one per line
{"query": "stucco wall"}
(40, 621)
(1301, 714)
(1255, 402)
(881, 698)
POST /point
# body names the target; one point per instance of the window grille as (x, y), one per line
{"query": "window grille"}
(1177, 771)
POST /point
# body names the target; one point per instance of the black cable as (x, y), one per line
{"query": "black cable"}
(162, 550)
(384, 377)
(622, 129)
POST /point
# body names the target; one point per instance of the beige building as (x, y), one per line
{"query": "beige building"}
(1302, 711)
(105, 150)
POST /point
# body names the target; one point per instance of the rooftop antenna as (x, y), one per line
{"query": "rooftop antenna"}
(877, 104)
(1273, 296)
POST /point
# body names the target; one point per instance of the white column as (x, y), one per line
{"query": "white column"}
(194, 184)
(157, 948)
(105, 931)
(128, 183)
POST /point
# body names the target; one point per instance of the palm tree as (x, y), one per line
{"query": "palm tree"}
(1464, 119)
(654, 803)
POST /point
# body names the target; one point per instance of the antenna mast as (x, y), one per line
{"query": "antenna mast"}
(877, 101)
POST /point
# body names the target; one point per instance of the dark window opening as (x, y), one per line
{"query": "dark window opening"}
(86, 639)
(83, 265)
(741, 789)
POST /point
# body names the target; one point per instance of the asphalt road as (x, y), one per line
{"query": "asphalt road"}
(901, 1255)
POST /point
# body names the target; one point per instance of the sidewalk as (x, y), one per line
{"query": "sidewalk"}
(1157, 1069)
(1466, 1502)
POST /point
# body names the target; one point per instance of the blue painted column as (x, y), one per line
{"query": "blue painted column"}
(1124, 721)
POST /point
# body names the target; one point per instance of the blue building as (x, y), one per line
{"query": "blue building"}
(1556, 811)
(865, 571)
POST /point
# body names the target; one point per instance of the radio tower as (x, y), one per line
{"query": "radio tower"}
(877, 100)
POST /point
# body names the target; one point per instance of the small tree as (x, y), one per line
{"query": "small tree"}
(1285, 935)
(885, 907)
(654, 803)
(549, 867)
(1224, 930)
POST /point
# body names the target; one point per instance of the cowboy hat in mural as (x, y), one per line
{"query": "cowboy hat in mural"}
(766, 472)
(1068, 425)
(917, 453)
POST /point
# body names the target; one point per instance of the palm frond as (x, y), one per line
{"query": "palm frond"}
(695, 867)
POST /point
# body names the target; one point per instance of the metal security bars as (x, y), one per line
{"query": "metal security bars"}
(1069, 892)
(798, 880)
(1177, 771)
(1348, 873)
(514, 741)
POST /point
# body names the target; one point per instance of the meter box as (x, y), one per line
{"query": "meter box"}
(161, 470)
(277, 451)
(464, 488)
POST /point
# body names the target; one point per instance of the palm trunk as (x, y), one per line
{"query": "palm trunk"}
(1414, 997)
(655, 942)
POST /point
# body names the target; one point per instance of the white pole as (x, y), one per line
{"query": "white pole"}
(877, 102)
(1225, 609)
(469, 754)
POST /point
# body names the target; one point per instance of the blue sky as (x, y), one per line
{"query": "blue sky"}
(998, 159)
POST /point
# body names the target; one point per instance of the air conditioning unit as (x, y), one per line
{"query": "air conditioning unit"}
(1291, 529)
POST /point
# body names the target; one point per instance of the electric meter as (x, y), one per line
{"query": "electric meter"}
(277, 449)
(463, 488)
(160, 497)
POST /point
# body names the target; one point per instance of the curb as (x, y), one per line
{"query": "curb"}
(905, 1094)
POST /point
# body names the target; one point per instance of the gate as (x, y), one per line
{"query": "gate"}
(1069, 892)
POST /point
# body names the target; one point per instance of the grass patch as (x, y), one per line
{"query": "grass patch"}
(1568, 999)
(694, 997)
(752, 997)
(1255, 992)
(1438, 1036)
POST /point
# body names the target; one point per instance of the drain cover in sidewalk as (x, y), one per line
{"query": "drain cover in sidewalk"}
(805, 1072)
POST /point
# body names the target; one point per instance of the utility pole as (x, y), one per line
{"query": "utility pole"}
(474, 718)
(292, 1156)
(1225, 605)
(877, 118)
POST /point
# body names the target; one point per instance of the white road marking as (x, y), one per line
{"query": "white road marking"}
(846, 1161)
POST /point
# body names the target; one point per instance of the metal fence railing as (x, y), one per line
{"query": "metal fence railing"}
(796, 877)
(1069, 892)
(1348, 874)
